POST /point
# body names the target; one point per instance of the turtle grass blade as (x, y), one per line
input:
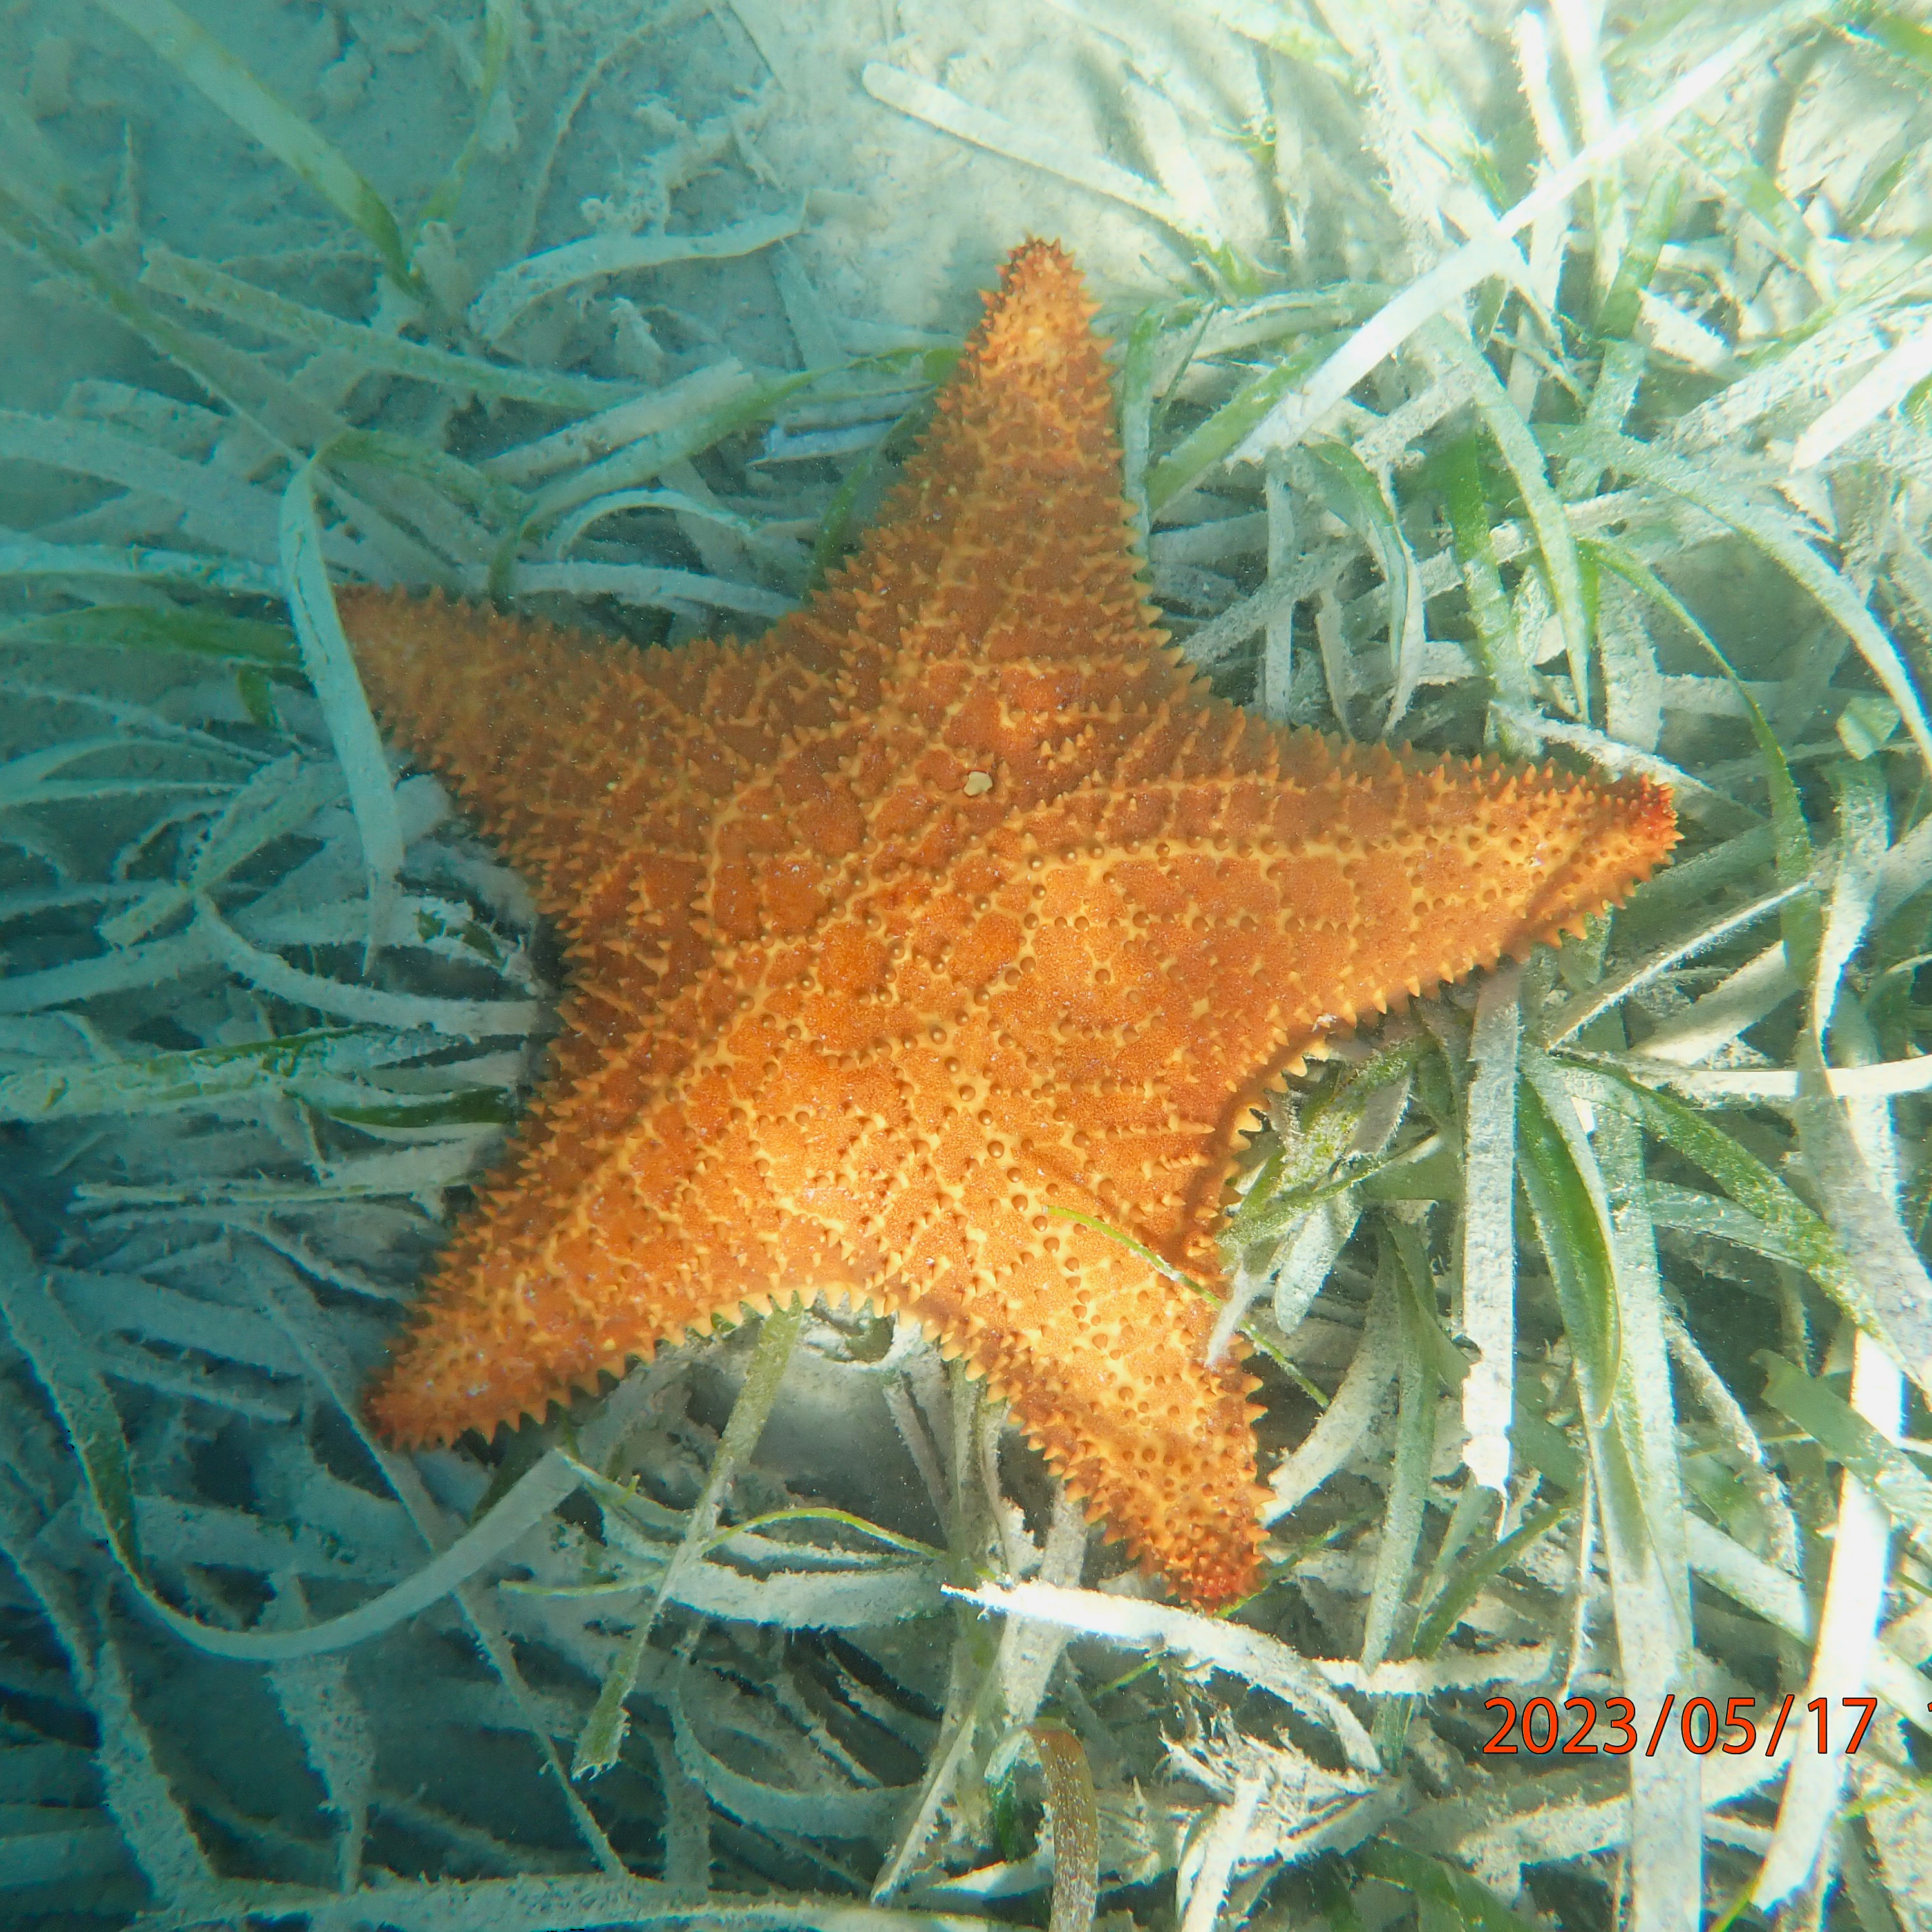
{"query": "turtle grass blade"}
(201, 285)
(1555, 540)
(1778, 533)
(1475, 1576)
(1907, 40)
(156, 1083)
(1445, 1894)
(64, 1364)
(1795, 1229)
(1618, 317)
(1498, 650)
(1607, 1288)
(1849, 1439)
(1488, 1231)
(137, 627)
(602, 1738)
(1209, 442)
(1350, 490)
(1569, 1206)
(1573, 1228)
(1793, 836)
(66, 1367)
(1075, 1820)
(331, 671)
(201, 60)
(1405, 1268)
(499, 28)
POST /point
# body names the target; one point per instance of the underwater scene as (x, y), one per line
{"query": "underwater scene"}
(965, 966)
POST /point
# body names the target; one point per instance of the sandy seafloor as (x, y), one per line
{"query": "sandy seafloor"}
(702, 115)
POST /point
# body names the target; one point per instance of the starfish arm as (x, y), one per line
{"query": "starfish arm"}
(1193, 926)
(951, 582)
(597, 768)
(1310, 884)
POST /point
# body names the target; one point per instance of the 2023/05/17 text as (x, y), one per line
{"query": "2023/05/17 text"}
(1699, 1724)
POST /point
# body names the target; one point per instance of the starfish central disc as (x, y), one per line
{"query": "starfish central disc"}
(954, 901)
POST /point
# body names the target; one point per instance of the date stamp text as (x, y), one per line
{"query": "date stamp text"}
(1580, 1727)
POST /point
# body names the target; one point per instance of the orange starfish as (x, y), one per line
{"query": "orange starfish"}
(954, 901)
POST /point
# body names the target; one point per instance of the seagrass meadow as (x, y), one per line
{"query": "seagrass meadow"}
(1551, 384)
